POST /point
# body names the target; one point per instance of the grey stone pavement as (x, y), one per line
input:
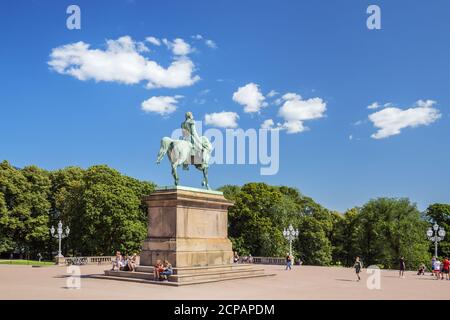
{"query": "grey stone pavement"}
(302, 282)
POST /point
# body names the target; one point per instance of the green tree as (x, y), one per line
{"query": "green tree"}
(230, 192)
(346, 245)
(105, 212)
(24, 209)
(254, 223)
(390, 228)
(313, 245)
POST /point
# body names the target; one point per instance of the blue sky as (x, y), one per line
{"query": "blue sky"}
(313, 49)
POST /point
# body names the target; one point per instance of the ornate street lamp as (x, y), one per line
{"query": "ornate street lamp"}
(61, 235)
(436, 235)
(290, 234)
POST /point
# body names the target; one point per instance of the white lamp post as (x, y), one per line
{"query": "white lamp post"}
(61, 235)
(436, 235)
(290, 234)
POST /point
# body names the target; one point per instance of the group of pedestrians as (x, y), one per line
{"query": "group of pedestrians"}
(439, 269)
(124, 263)
(161, 270)
(243, 259)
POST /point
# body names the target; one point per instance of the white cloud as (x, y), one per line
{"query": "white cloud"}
(295, 111)
(153, 40)
(163, 105)
(178, 46)
(278, 102)
(293, 126)
(374, 105)
(121, 62)
(222, 119)
(390, 121)
(272, 93)
(211, 44)
(267, 124)
(250, 97)
(425, 103)
(208, 42)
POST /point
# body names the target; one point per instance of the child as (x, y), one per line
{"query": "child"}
(157, 269)
(167, 270)
(421, 271)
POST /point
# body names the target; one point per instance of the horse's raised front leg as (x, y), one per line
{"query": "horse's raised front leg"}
(205, 178)
(174, 173)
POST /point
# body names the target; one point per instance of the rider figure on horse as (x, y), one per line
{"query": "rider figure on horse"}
(191, 150)
(190, 134)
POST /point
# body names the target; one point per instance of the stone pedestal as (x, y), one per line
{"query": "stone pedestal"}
(188, 227)
(60, 261)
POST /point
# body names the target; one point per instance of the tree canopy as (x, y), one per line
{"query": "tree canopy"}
(102, 207)
(105, 212)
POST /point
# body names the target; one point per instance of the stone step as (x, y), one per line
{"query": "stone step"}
(177, 284)
(135, 280)
(203, 269)
(193, 277)
(207, 273)
(128, 274)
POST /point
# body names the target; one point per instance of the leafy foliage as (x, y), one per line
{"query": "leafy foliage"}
(24, 208)
(102, 207)
(380, 232)
(105, 212)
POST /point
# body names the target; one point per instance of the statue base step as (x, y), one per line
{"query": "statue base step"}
(189, 275)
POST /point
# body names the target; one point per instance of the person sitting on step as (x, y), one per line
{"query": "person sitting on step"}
(157, 269)
(117, 262)
(167, 271)
(132, 262)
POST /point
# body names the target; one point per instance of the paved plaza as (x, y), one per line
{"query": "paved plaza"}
(303, 282)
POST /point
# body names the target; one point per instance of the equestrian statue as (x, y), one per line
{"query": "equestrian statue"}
(192, 150)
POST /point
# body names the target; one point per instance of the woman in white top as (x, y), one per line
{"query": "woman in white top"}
(437, 268)
(117, 262)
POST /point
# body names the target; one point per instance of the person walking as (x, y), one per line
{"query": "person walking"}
(433, 261)
(401, 273)
(445, 268)
(288, 262)
(358, 267)
(437, 268)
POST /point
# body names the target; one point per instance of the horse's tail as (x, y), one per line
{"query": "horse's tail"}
(166, 142)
